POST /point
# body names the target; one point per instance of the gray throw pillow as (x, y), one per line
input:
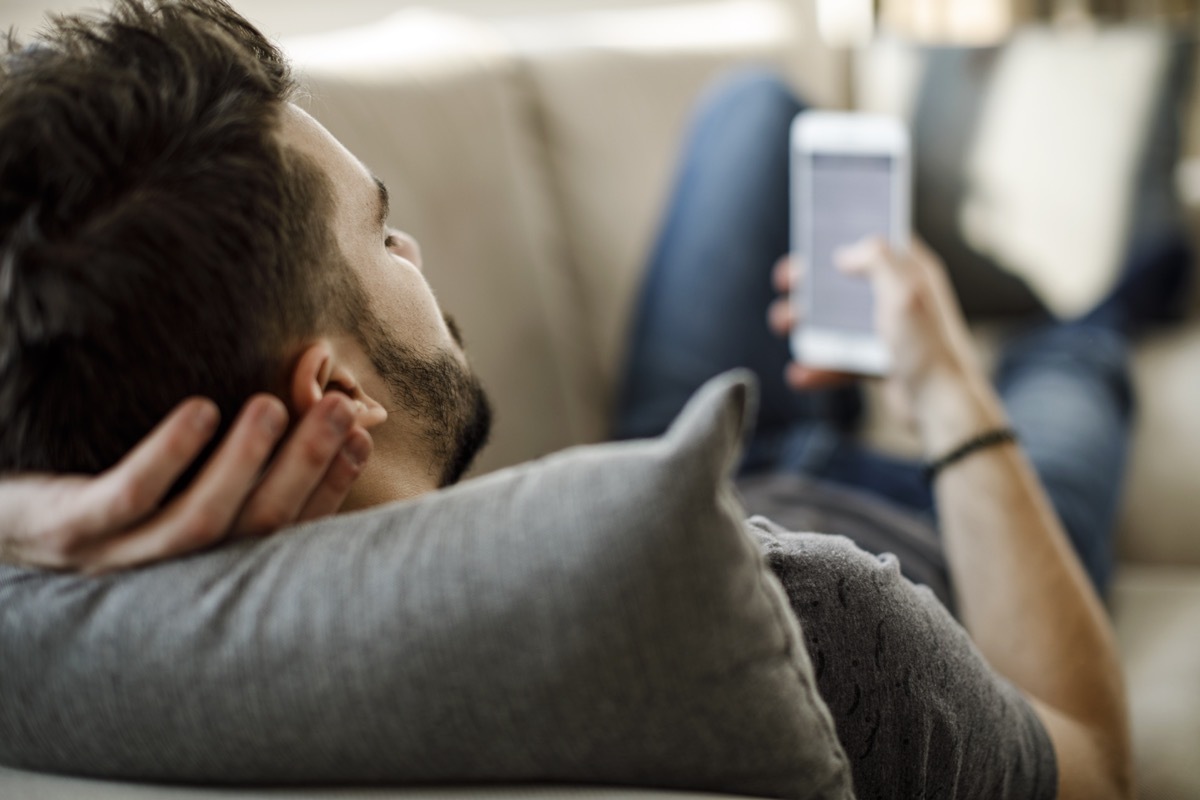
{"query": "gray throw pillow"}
(599, 616)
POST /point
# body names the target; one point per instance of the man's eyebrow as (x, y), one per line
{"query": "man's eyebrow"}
(384, 202)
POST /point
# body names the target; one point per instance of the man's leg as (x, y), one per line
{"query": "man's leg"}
(1068, 393)
(703, 306)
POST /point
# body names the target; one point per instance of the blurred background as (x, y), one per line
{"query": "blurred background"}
(842, 23)
(852, 23)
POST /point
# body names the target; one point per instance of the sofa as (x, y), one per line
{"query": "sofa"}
(532, 158)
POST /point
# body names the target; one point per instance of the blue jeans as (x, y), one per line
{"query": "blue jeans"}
(703, 311)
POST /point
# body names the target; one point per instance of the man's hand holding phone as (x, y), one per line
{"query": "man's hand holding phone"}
(850, 179)
(933, 368)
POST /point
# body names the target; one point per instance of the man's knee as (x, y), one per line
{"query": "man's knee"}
(757, 99)
(1100, 354)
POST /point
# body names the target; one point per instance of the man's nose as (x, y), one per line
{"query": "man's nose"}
(407, 247)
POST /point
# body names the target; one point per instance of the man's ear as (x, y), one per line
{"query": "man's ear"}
(318, 371)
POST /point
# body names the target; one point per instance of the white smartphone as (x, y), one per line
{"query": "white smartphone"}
(851, 179)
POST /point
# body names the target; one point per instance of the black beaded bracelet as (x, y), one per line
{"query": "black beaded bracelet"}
(981, 442)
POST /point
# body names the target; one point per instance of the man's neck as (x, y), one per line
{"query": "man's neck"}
(388, 479)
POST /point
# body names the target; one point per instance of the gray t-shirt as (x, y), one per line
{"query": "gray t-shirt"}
(918, 710)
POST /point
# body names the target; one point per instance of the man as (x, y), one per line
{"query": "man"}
(371, 332)
(285, 238)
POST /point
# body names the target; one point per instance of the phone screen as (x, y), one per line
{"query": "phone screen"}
(851, 197)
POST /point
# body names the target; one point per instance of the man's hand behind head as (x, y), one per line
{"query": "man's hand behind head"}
(117, 519)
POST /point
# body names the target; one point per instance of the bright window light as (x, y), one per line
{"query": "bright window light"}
(979, 21)
(413, 36)
(733, 24)
(963, 22)
(846, 22)
(425, 37)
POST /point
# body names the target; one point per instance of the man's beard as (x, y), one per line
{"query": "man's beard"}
(439, 392)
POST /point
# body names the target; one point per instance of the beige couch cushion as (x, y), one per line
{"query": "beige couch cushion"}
(1161, 518)
(1039, 143)
(1157, 611)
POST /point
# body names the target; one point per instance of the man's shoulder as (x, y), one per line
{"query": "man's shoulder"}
(817, 558)
(864, 522)
(917, 709)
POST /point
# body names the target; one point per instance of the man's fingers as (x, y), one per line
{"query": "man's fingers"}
(787, 273)
(204, 513)
(802, 378)
(782, 316)
(299, 468)
(133, 489)
(346, 467)
(865, 257)
(921, 250)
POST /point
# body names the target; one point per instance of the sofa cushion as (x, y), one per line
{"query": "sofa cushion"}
(1040, 165)
(1074, 164)
(1158, 519)
(600, 616)
(1157, 614)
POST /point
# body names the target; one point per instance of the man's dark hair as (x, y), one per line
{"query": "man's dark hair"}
(156, 239)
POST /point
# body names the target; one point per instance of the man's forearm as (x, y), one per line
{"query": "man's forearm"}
(1022, 593)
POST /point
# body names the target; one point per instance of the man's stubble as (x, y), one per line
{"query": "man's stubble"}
(439, 391)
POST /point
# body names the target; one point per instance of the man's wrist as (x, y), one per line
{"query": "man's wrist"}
(952, 406)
